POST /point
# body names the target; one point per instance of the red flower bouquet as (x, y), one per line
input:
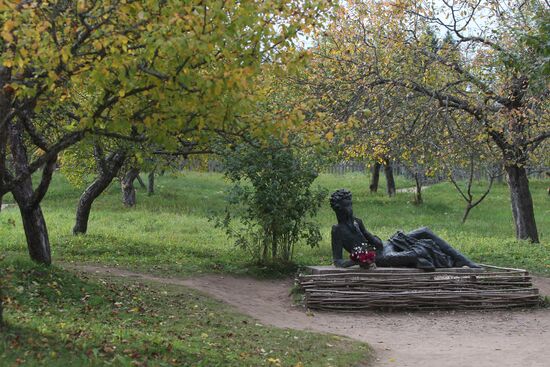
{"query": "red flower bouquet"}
(364, 255)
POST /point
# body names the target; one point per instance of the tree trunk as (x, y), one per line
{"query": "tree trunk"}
(29, 200)
(128, 189)
(466, 213)
(141, 183)
(390, 181)
(375, 177)
(522, 204)
(85, 203)
(151, 183)
(1, 309)
(274, 246)
(93, 191)
(4, 120)
(37, 234)
(418, 193)
(265, 249)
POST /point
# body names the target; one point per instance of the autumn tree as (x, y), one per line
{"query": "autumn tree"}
(379, 125)
(501, 82)
(494, 71)
(115, 67)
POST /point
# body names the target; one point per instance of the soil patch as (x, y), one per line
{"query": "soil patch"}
(429, 339)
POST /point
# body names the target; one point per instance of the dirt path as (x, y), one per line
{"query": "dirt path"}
(435, 339)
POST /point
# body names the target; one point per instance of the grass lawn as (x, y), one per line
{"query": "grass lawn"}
(170, 231)
(57, 318)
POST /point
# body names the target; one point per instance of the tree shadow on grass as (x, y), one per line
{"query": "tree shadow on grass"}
(56, 318)
(21, 345)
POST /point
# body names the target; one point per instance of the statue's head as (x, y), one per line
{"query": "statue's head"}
(340, 202)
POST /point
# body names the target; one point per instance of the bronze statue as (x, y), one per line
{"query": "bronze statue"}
(420, 248)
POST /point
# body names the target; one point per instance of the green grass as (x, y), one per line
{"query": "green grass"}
(170, 232)
(54, 318)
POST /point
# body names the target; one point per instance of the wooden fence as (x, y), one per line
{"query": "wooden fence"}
(329, 288)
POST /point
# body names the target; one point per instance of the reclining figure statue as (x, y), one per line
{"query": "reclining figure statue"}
(420, 248)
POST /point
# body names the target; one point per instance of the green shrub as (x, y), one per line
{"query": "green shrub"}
(272, 199)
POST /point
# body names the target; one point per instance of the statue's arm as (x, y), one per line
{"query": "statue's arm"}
(372, 239)
(337, 249)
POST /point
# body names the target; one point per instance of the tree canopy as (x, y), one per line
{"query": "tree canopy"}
(481, 64)
(164, 71)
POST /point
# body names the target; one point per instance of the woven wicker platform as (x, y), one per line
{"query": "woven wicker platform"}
(355, 289)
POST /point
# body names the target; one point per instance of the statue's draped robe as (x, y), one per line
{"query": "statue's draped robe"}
(423, 248)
